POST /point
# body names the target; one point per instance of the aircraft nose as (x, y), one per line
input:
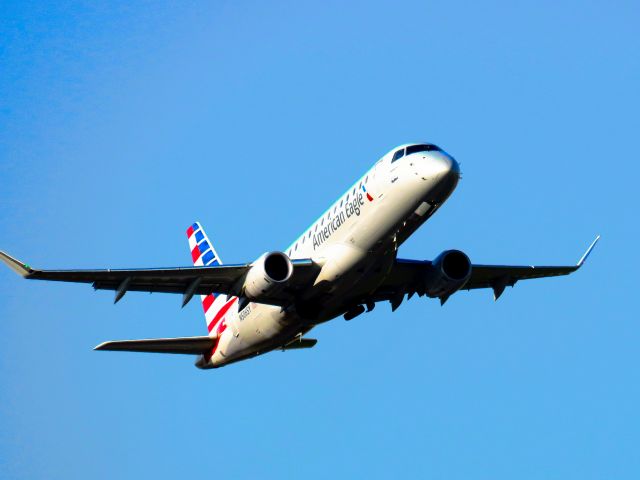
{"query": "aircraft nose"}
(444, 169)
(445, 166)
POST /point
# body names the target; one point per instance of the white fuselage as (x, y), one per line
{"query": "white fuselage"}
(355, 241)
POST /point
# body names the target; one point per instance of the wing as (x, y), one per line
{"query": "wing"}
(184, 345)
(189, 281)
(406, 277)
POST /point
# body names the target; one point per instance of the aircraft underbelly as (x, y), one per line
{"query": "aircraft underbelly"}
(260, 328)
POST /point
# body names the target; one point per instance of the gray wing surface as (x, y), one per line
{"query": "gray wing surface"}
(184, 345)
(406, 276)
(224, 279)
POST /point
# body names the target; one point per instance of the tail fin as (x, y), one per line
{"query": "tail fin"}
(203, 254)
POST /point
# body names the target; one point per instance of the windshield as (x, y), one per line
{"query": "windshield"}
(427, 147)
(398, 155)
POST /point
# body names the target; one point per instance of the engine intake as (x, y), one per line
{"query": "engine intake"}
(267, 275)
(450, 271)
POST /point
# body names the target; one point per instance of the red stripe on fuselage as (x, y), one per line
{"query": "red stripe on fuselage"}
(221, 313)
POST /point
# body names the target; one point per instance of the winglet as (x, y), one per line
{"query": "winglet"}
(586, 254)
(16, 265)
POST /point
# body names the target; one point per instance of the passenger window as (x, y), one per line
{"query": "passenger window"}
(398, 155)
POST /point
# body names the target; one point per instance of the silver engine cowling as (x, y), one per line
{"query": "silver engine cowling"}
(267, 275)
(450, 271)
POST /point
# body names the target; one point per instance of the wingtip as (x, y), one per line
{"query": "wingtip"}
(588, 252)
(16, 265)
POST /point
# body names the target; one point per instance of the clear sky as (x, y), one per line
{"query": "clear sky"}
(122, 124)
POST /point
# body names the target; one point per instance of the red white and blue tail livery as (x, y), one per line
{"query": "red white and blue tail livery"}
(203, 254)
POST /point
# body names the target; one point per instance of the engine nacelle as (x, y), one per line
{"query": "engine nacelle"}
(267, 275)
(450, 271)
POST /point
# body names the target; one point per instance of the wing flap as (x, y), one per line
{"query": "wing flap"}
(180, 345)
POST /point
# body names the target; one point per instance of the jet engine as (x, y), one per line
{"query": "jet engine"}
(267, 275)
(450, 271)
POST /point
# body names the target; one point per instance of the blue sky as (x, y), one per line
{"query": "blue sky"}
(122, 124)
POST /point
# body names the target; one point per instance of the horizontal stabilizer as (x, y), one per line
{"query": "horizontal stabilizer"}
(184, 345)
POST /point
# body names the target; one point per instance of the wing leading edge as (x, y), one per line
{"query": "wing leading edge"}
(498, 277)
(406, 276)
(225, 279)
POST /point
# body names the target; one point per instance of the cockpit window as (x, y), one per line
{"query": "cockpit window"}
(427, 147)
(398, 155)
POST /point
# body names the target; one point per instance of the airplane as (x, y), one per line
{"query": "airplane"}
(342, 265)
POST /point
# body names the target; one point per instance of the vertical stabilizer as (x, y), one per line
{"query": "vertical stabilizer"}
(204, 255)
